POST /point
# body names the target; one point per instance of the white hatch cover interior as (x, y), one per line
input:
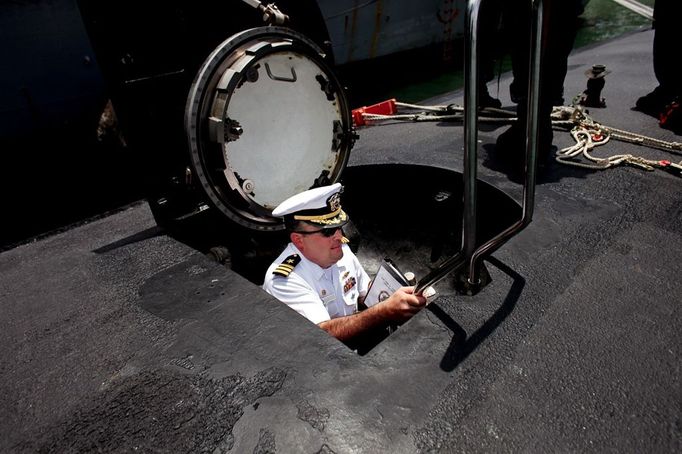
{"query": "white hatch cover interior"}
(266, 118)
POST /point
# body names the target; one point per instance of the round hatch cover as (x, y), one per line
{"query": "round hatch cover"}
(265, 119)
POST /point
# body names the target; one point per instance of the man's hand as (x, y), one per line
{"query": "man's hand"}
(402, 305)
(397, 308)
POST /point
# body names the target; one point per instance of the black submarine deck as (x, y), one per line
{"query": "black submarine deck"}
(117, 337)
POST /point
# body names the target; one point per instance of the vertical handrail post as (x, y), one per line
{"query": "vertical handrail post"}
(471, 80)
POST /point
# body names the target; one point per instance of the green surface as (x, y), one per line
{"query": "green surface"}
(605, 19)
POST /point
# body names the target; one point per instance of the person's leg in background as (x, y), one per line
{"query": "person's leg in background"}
(491, 47)
(667, 17)
(560, 22)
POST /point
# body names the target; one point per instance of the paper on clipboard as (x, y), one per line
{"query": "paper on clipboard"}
(387, 280)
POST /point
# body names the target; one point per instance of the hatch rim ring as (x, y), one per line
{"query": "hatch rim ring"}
(200, 99)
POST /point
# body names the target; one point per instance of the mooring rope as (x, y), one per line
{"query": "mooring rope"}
(587, 133)
(590, 134)
(448, 112)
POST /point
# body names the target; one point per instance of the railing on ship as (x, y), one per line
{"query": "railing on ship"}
(468, 261)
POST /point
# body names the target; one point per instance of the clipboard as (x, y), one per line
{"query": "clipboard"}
(387, 280)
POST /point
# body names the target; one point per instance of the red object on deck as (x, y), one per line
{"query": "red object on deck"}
(383, 108)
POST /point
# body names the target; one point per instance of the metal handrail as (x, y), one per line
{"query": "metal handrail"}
(532, 104)
(470, 254)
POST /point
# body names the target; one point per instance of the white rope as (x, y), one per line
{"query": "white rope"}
(435, 108)
(587, 133)
(578, 117)
(585, 144)
(431, 117)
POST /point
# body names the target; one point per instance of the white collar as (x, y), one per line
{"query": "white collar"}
(315, 270)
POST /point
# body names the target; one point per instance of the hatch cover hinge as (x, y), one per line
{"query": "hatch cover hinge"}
(271, 13)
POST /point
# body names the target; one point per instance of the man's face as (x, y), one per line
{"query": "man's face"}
(319, 249)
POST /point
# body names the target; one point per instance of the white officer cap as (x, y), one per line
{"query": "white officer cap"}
(320, 206)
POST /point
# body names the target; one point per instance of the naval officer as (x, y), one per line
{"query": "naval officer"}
(318, 275)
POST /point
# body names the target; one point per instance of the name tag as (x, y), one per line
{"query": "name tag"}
(326, 300)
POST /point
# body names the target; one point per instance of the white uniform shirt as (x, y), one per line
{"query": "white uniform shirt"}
(316, 293)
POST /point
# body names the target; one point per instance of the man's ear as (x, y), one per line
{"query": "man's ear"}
(297, 239)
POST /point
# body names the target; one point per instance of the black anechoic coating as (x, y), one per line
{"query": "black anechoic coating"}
(163, 411)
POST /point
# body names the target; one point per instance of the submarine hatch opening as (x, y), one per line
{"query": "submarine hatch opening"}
(266, 118)
(409, 213)
(413, 215)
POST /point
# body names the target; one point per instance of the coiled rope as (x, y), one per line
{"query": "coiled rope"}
(587, 133)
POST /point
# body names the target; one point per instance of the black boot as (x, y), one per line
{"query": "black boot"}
(511, 144)
(653, 103)
(485, 100)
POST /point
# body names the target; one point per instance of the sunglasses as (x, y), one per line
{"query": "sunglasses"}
(324, 232)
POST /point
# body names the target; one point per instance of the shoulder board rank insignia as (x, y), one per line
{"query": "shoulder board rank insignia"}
(345, 240)
(287, 266)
